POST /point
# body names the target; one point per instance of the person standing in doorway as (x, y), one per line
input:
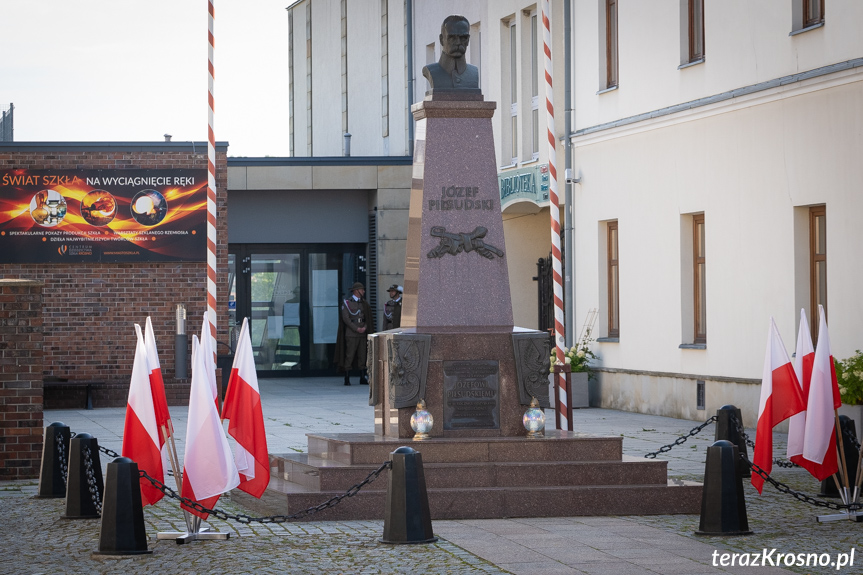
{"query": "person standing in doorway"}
(355, 316)
(393, 308)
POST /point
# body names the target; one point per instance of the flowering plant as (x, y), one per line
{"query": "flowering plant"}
(849, 374)
(578, 356)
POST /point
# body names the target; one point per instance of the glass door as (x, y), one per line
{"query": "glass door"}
(291, 296)
(274, 283)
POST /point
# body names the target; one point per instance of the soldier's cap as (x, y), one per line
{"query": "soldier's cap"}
(396, 287)
(357, 286)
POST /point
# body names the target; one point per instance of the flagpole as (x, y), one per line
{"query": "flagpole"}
(841, 447)
(212, 242)
(564, 399)
(172, 457)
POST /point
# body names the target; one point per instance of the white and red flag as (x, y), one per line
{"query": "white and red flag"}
(157, 386)
(803, 359)
(819, 441)
(243, 408)
(780, 399)
(208, 468)
(206, 348)
(140, 432)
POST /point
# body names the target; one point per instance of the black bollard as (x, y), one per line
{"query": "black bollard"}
(728, 418)
(123, 531)
(407, 518)
(723, 507)
(55, 459)
(85, 473)
(828, 486)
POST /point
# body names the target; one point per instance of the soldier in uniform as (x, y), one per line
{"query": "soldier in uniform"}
(393, 308)
(353, 331)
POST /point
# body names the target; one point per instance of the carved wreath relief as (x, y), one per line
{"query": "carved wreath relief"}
(454, 244)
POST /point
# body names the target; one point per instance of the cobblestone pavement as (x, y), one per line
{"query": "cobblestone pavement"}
(36, 540)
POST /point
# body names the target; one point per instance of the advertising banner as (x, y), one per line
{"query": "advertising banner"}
(63, 216)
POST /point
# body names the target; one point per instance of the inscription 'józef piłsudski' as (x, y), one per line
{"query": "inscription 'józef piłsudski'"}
(460, 198)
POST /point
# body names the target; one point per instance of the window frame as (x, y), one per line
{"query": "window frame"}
(818, 18)
(513, 87)
(699, 281)
(613, 271)
(695, 19)
(817, 255)
(534, 88)
(612, 79)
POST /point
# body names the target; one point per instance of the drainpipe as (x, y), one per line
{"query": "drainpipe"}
(569, 248)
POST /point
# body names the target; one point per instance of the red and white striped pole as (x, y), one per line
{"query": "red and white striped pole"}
(211, 188)
(563, 400)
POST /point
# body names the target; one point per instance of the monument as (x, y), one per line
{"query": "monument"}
(457, 347)
(458, 351)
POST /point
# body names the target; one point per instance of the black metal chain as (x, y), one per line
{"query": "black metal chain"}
(109, 452)
(783, 488)
(91, 479)
(246, 519)
(60, 442)
(681, 440)
(777, 461)
(796, 494)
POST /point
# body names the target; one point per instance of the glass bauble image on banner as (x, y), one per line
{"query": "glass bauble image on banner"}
(48, 208)
(149, 207)
(98, 208)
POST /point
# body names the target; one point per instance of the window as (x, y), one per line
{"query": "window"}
(610, 44)
(817, 265)
(534, 84)
(613, 282)
(806, 14)
(513, 90)
(692, 32)
(699, 279)
(509, 88)
(813, 12)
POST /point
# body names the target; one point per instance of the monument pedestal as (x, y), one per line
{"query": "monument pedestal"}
(476, 383)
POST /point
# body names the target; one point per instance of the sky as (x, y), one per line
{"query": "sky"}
(123, 70)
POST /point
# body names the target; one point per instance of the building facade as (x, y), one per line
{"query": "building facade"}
(716, 147)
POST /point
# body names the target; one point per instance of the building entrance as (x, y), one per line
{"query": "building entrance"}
(291, 295)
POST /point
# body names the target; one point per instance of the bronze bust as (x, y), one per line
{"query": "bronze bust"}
(452, 72)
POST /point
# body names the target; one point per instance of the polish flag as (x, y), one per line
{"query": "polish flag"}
(243, 408)
(803, 359)
(819, 443)
(208, 468)
(157, 385)
(140, 433)
(780, 399)
(205, 345)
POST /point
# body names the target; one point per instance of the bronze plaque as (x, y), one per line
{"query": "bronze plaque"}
(471, 395)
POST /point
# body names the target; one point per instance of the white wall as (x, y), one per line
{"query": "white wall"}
(747, 166)
(745, 43)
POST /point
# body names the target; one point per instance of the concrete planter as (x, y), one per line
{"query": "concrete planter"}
(580, 395)
(855, 412)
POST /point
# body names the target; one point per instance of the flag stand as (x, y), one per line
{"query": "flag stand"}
(194, 533)
(844, 491)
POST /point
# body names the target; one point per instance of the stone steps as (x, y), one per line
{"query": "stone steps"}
(286, 498)
(326, 475)
(557, 445)
(562, 474)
